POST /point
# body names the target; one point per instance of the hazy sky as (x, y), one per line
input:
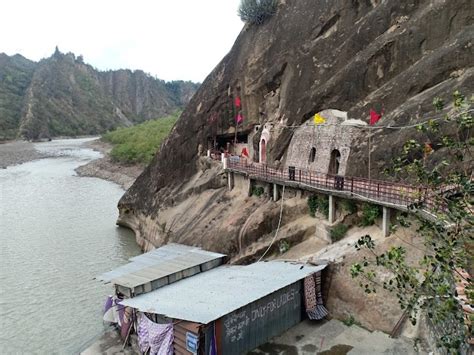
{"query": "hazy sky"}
(174, 39)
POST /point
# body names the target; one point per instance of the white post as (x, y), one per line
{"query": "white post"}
(208, 153)
(275, 192)
(230, 180)
(225, 162)
(332, 209)
(386, 222)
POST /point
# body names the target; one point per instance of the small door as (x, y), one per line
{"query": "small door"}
(334, 162)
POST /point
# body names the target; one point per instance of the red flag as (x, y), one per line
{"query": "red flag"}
(237, 102)
(239, 118)
(374, 117)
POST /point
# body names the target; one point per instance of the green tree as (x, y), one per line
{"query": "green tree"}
(444, 217)
(257, 11)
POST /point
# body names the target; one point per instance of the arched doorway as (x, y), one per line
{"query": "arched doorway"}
(263, 151)
(312, 155)
(334, 162)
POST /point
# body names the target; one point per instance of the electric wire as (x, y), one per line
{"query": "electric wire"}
(279, 224)
(361, 126)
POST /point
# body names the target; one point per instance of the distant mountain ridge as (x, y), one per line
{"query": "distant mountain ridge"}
(63, 96)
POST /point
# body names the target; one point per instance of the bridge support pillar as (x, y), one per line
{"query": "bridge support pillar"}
(276, 194)
(230, 180)
(386, 222)
(332, 209)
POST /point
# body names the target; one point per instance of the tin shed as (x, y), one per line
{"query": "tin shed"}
(237, 308)
(160, 267)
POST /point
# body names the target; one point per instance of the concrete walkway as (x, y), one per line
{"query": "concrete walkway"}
(334, 338)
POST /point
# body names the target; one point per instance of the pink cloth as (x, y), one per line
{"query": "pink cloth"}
(239, 118)
(157, 337)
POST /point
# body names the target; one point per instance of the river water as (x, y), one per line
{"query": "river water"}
(57, 232)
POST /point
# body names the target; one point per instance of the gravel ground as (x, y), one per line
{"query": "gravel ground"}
(17, 152)
(106, 169)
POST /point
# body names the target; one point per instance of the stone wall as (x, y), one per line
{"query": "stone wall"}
(336, 133)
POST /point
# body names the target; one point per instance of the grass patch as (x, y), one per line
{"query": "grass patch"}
(258, 191)
(350, 206)
(318, 203)
(369, 214)
(139, 144)
(338, 232)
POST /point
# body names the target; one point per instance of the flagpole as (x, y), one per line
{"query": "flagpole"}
(370, 143)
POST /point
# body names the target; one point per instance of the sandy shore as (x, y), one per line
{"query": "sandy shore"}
(17, 152)
(104, 168)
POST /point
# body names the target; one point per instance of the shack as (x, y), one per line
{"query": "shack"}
(229, 309)
(160, 267)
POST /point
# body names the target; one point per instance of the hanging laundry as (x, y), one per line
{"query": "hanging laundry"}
(238, 102)
(245, 152)
(313, 297)
(112, 310)
(374, 117)
(318, 119)
(158, 338)
(239, 118)
(125, 322)
(213, 345)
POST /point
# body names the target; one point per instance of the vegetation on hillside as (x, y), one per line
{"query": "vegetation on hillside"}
(139, 144)
(15, 77)
(257, 11)
(63, 96)
(439, 285)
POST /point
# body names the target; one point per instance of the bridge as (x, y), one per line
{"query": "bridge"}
(389, 195)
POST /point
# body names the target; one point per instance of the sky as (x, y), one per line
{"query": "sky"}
(172, 40)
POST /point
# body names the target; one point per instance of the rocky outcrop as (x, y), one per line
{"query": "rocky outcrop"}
(63, 96)
(316, 55)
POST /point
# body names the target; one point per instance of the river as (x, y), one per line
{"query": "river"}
(57, 232)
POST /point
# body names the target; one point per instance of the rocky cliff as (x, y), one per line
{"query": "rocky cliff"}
(312, 55)
(316, 55)
(61, 95)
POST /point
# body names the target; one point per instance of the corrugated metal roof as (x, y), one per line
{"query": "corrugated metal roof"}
(208, 296)
(167, 260)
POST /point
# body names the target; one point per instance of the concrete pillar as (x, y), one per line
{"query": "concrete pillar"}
(230, 180)
(332, 209)
(275, 192)
(386, 222)
(249, 188)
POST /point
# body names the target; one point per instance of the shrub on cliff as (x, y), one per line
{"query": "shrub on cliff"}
(139, 144)
(257, 11)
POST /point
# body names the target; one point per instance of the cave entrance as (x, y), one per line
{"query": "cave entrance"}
(263, 151)
(335, 162)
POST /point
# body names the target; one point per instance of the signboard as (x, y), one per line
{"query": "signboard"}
(192, 342)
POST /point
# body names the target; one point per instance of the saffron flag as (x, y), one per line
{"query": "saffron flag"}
(237, 102)
(374, 117)
(318, 119)
(239, 118)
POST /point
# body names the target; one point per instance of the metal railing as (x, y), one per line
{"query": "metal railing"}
(378, 191)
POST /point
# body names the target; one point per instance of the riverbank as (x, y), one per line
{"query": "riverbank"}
(105, 168)
(18, 152)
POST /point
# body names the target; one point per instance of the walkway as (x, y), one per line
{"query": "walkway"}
(388, 194)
